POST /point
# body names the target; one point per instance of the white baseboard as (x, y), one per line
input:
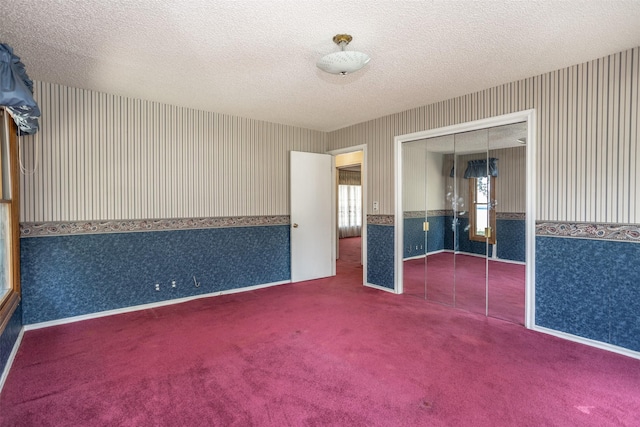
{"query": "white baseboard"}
(12, 356)
(380, 288)
(436, 252)
(423, 255)
(147, 306)
(470, 254)
(507, 261)
(586, 341)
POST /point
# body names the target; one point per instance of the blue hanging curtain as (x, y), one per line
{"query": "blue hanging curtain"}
(16, 91)
(482, 167)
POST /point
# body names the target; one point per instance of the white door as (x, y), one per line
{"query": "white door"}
(312, 222)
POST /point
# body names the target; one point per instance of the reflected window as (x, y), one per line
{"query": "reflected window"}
(482, 218)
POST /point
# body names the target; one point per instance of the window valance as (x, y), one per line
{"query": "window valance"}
(346, 177)
(16, 91)
(482, 167)
(479, 168)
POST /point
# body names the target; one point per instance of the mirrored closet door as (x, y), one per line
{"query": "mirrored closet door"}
(464, 236)
(471, 183)
(415, 240)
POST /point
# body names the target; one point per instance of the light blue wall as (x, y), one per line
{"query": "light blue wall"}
(65, 276)
(589, 288)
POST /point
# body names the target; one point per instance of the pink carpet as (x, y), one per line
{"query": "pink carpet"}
(506, 284)
(324, 352)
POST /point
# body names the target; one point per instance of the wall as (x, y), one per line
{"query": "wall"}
(72, 275)
(106, 157)
(181, 163)
(588, 175)
(9, 337)
(587, 128)
(128, 193)
(422, 170)
(589, 288)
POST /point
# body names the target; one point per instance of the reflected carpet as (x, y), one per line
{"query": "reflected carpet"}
(466, 275)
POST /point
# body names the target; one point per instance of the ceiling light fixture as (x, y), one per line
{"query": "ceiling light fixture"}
(345, 61)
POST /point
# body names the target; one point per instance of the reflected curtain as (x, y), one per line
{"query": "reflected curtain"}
(478, 168)
(349, 204)
(482, 167)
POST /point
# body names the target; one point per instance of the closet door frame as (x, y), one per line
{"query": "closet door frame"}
(528, 116)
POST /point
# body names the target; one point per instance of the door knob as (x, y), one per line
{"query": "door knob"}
(295, 225)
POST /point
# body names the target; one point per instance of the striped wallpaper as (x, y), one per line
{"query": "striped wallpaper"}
(588, 156)
(422, 170)
(511, 184)
(105, 157)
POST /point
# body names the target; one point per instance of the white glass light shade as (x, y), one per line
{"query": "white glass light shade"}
(343, 62)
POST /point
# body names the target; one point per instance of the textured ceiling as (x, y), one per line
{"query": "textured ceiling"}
(257, 58)
(477, 141)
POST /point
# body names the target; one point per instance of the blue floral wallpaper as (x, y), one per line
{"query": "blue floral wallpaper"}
(414, 236)
(457, 237)
(511, 239)
(9, 336)
(589, 288)
(380, 255)
(65, 276)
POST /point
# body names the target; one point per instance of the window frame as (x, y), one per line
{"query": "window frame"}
(11, 299)
(473, 185)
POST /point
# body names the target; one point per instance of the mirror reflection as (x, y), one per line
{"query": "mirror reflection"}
(464, 201)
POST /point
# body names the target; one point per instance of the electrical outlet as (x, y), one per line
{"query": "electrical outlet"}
(157, 286)
(174, 284)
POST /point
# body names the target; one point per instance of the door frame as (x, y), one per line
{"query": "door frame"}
(363, 183)
(528, 116)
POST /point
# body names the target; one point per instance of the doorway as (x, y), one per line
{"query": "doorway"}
(464, 230)
(350, 199)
